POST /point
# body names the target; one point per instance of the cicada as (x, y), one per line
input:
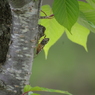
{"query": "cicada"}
(41, 45)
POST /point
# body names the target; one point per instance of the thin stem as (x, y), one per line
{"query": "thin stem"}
(47, 17)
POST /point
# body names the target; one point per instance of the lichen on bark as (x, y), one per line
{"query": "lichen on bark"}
(21, 42)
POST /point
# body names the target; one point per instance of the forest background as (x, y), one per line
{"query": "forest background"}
(68, 66)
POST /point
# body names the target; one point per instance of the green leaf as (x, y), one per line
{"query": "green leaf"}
(53, 29)
(66, 12)
(79, 35)
(91, 24)
(46, 89)
(88, 11)
(87, 16)
(27, 88)
(84, 22)
(35, 94)
(91, 2)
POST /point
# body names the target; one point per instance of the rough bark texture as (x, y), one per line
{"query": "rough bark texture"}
(5, 23)
(16, 71)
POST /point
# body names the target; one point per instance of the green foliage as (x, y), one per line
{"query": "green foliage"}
(53, 29)
(66, 12)
(87, 16)
(79, 35)
(28, 88)
(75, 17)
(34, 94)
(91, 2)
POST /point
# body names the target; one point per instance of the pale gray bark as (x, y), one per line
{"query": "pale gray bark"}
(16, 70)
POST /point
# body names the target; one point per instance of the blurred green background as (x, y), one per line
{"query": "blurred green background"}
(68, 67)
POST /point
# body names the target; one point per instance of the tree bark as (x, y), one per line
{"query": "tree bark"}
(18, 36)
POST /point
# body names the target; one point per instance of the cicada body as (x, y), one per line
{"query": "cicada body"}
(41, 45)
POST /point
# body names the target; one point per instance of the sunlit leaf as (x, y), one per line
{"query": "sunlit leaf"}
(91, 2)
(46, 90)
(88, 11)
(79, 35)
(87, 16)
(27, 88)
(35, 94)
(53, 29)
(83, 21)
(66, 12)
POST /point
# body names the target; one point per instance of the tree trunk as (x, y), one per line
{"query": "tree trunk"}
(18, 38)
